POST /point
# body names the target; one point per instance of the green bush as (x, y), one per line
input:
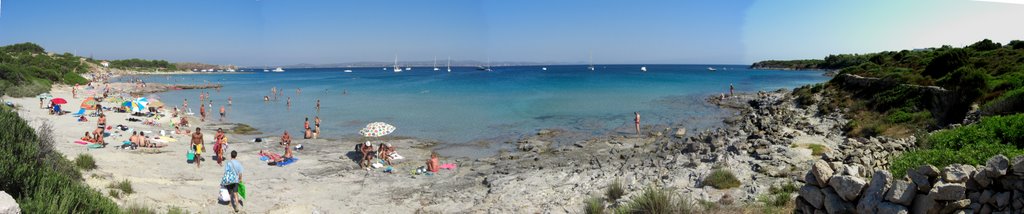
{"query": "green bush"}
(139, 209)
(654, 200)
(817, 149)
(721, 179)
(179, 210)
(972, 144)
(615, 191)
(39, 178)
(125, 186)
(85, 162)
(594, 206)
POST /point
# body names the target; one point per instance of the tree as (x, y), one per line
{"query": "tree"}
(969, 82)
(946, 62)
(985, 45)
(1016, 44)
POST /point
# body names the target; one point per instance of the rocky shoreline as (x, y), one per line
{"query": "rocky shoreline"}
(765, 144)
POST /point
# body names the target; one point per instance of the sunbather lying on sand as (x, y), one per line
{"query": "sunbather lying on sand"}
(271, 156)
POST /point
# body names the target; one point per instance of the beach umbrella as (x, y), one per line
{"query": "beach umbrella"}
(377, 129)
(126, 104)
(59, 101)
(137, 106)
(89, 103)
(44, 96)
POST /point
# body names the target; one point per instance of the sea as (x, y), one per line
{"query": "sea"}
(473, 113)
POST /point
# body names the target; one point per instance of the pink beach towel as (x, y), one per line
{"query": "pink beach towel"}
(448, 166)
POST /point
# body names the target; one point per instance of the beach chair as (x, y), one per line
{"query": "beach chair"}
(81, 112)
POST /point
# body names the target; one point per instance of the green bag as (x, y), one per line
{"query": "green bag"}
(241, 189)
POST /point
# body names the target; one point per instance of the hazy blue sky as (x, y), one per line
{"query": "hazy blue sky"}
(272, 32)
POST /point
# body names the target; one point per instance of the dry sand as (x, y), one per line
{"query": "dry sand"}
(324, 179)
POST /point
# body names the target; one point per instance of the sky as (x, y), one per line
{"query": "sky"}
(284, 32)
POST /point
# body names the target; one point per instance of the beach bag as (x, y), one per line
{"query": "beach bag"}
(230, 176)
(225, 196)
(241, 190)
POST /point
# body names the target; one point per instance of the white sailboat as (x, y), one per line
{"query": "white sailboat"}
(591, 66)
(278, 70)
(397, 69)
(449, 64)
(643, 68)
(348, 71)
(712, 69)
(435, 64)
(544, 68)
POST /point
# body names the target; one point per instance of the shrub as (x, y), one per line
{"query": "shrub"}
(85, 162)
(125, 186)
(139, 209)
(615, 191)
(654, 200)
(114, 193)
(721, 179)
(972, 144)
(594, 206)
(41, 180)
(179, 210)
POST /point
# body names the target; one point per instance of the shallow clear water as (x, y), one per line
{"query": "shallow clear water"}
(467, 106)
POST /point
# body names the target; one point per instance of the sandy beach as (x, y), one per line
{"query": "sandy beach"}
(324, 178)
(539, 176)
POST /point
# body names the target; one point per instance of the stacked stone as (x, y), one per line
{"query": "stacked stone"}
(874, 153)
(996, 187)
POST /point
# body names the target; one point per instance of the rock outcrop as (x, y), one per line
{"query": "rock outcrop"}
(8, 205)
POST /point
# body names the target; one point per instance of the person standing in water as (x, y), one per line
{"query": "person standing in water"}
(637, 122)
(202, 113)
(229, 101)
(289, 102)
(317, 105)
(316, 124)
(222, 113)
(731, 88)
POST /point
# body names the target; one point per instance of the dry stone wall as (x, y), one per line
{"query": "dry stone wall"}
(996, 187)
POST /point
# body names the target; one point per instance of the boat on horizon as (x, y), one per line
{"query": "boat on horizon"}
(397, 69)
(348, 71)
(643, 68)
(278, 70)
(449, 64)
(435, 64)
(712, 69)
(591, 66)
(544, 68)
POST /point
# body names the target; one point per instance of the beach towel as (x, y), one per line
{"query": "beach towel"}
(80, 112)
(448, 166)
(395, 156)
(287, 161)
(95, 146)
(81, 142)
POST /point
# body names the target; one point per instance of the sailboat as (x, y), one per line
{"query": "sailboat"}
(435, 64)
(449, 64)
(591, 66)
(643, 68)
(488, 68)
(278, 70)
(397, 69)
(544, 68)
(712, 69)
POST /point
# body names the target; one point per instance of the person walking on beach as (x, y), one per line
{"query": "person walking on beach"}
(202, 113)
(74, 91)
(218, 146)
(232, 178)
(636, 121)
(222, 113)
(731, 88)
(197, 146)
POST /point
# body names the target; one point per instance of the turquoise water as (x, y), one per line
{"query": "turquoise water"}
(464, 107)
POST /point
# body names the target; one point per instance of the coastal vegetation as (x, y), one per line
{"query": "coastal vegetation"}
(721, 179)
(914, 92)
(27, 70)
(38, 177)
(143, 65)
